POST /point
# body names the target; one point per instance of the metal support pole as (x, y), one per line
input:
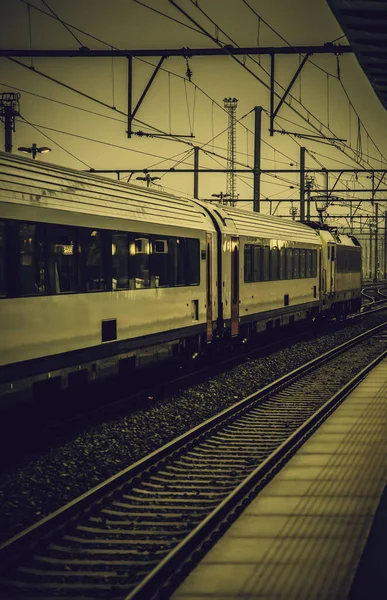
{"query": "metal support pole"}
(257, 158)
(370, 252)
(196, 172)
(376, 241)
(271, 94)
(385, 246)
(308, 188)
(302, 184)
(130, 94)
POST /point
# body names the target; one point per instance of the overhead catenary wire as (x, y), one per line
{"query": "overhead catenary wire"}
(174, 75)
(37, 128)
(57, 17)
(249, 70)
(142, 60)
(89, 139)
(185, 25)
(282, 38)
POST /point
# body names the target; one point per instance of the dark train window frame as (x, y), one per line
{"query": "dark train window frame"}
(262, 263)
(11, 285)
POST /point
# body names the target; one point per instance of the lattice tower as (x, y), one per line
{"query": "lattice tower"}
(230, 105)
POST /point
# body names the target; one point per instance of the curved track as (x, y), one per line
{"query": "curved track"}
(123, 538)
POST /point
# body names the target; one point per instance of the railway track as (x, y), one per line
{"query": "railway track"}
(124, 538)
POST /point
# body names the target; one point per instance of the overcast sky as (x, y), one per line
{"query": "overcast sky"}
(176, 105)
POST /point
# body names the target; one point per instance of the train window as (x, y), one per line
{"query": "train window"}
(159, 263)
(92, 276)
(302, 263)
(257, 263)
(248, 263)
(139, 262)
(314, 263)
(61, 264)
(265, 273)
(274, 264)
(282, 264)
(308, 263)
(333, 253)
(289, 263)
(177, 261)
(32, 264)
(120, 260)
(296, 263)
(192, 262)
(2, 259)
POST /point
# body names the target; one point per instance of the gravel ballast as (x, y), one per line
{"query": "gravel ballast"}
(51, 479)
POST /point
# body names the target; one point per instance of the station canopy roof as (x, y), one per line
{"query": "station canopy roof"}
(364, 23)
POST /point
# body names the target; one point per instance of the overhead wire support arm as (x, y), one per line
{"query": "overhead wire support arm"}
(274, 112)
(166, 52)
(131, 114)
(148, 86)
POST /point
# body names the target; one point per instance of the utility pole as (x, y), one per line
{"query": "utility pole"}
(196, 172)
(376, 241)
(9, 109)
(385, 246)
(308, 185)
(230, 105)
(257, 158)
(302, 184)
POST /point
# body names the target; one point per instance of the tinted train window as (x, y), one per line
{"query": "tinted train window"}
(282, 264)
(257, 263)
(139, 262)
(120, 261)
(91, 250)
(159, 263)
(296, 263)
(314, 263)
(289, 263)
(274, 264)
(302, 263)
(309, 263)
(61, 265)
(32, 264)
(248, 263)
(265, 273)
(192, 261)
(177, 261)
(2, 259)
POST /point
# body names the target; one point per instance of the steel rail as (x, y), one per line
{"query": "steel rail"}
(25, 541)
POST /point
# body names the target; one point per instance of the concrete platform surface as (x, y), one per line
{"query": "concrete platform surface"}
(304, 534)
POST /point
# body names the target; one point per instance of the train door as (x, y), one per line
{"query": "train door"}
(209, 287)
(234, 286)
(331, 268)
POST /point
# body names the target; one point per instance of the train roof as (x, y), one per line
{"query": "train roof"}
(255, 224)
(339, 238)
(28, 182)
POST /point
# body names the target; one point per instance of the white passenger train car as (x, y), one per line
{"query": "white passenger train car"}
(93, 272)
(271, 270)
(341, 273)
(99, 277)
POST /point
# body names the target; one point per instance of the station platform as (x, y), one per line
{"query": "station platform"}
(319, 529)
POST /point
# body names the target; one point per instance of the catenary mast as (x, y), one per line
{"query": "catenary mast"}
(230, 105)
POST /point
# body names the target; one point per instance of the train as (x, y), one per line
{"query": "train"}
(99, 277)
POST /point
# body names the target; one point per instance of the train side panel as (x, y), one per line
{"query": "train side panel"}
(48, 330)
